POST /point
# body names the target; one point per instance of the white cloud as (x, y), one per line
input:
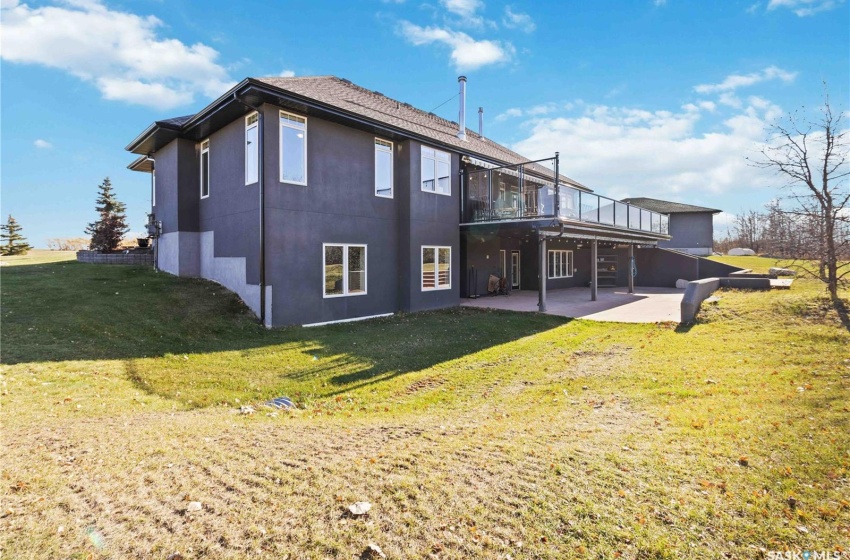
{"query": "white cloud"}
(803, 8)
(753, 8)
(119, 52)
(518, 20)
(660, 3)
(735, 81)
(535, 111)
(466, 11)
(42, 144)
(463, 8)
(730, 100)
(287, 74)
(466, 52)
(511, 113)
(622, 151)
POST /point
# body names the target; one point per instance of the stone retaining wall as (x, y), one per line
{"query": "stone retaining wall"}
(137, 258)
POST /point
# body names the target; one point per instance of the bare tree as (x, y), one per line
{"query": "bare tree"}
(813, 157)
(749, 228)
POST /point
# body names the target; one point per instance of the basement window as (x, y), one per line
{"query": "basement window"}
(560, 264)
(436, 268)
(344, 272)
(205, 169)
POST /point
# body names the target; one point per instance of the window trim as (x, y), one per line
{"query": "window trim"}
(290, 124)
(386, 149)
(437, 285)
(248, 126)
(568, 265)
(205, 149)
(436, 178)
(345, 292)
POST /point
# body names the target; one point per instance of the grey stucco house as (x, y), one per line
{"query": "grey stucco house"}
(317, 200)
(691, 228)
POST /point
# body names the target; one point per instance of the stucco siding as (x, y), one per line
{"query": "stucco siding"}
(690, 231)
(338, 205)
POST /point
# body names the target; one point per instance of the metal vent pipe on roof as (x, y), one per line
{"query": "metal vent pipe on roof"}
(461, 121)
(481, 122)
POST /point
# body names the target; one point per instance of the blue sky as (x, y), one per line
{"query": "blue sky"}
(659, 98)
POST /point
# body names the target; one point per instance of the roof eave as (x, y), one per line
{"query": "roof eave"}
(158, 126)
(142, 164)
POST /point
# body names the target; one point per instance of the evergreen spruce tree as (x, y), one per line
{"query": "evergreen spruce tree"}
(107, 232)
(13, 243)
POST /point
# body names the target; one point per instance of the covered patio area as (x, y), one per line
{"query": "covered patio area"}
(645, 305)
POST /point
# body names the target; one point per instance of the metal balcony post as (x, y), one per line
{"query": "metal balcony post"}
(557, 187)
(594, 270)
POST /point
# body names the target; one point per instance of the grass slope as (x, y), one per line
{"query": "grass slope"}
(474, 433)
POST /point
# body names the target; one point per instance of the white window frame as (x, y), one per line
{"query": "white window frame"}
(436, 158)
(345, 247)
(384, 146)
(249, 124)
(437, 285)
(205, 149)
(291, 120)
(563, 269)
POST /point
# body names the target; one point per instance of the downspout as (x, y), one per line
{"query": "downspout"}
(152, 214)
(261, 185)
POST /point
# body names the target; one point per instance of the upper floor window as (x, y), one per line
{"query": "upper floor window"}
(252, 150)
(436, 268)
(344, 270)
(560, 264)
(436, 171)
(293, 149)
(383, 168)
(205, 168)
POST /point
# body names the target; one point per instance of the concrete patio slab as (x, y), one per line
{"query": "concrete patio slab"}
(646, 305)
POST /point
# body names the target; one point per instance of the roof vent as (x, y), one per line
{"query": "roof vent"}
(461, 133)
(481, 122)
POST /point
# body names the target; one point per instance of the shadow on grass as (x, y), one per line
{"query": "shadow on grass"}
(72, 311)
(840, 307)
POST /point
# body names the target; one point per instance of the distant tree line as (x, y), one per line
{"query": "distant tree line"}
(785, 234)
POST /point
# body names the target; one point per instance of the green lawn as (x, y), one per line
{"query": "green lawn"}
(473, 433)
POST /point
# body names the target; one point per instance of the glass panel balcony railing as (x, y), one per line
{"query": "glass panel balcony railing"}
(606, 211)
(569, 203)
(645, 220)
(589, 207)
(634, 217)
(621, 214)
(519, 192)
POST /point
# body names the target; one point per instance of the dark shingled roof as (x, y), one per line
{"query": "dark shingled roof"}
(175, 121)
(667, 207)
(342, 94)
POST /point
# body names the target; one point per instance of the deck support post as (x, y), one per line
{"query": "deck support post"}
(631, 268)
(541, 289)
(594, 270)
